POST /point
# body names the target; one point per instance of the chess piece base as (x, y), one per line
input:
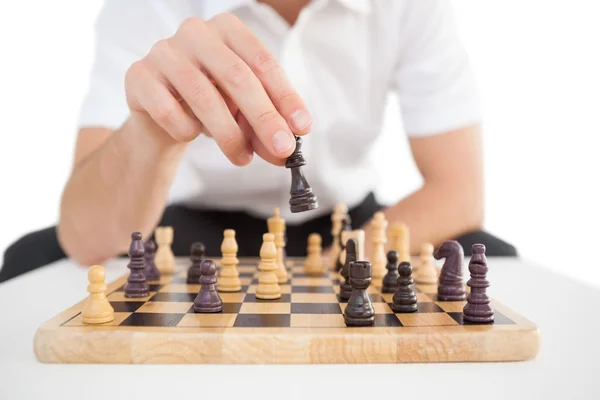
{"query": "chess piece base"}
(389, 289)
(304, 207)
(404, 308)
(478, 313)
(137, 292)
(267, 296)
(101, 319)
(345, 291)
(214, 309)
(229, 287)
(359, 321)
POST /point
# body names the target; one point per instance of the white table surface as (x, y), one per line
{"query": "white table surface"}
(567, 312)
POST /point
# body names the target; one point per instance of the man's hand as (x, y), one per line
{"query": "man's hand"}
(216, 77)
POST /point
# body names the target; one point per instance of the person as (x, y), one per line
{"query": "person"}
(193, 107)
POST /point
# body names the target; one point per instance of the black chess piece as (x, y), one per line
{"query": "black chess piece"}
(151, 272)
(302, 196)
(478, 309)
(136, 281)
(359, 310)
(405, 299)
(345, 287)
(196, 256)
(208, 299)
(346, 226)
(451, 287)
(390, 280)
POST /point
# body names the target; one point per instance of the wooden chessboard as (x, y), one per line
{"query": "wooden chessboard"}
(305, 326)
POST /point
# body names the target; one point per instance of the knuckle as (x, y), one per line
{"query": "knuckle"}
(191, 26)
(268, 116)
(232, 143)
(164, 115)
(264, 62)
(289, 97)
(135, 71)
(202, 96)
(160, 47)
(226, 19)
(238, 75)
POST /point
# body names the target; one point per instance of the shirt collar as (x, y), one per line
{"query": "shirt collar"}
(214, 7)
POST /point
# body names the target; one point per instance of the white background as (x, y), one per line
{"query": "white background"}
(537, 63)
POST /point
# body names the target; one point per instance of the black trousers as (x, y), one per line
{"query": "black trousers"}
(40, 248)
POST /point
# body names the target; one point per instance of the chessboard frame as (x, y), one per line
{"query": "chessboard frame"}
(108, 343)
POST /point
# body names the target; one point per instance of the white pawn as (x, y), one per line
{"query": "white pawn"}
(97, 308)
(268, 288)
(164, 258)
(229, 279)
(276, 226)
(427, 272)
(313, 265)
(378, 239)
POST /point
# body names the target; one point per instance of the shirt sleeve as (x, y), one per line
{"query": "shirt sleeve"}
(124, 32)
(433, 76)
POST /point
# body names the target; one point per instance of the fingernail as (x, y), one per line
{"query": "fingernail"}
(300, 119)
(282, 142)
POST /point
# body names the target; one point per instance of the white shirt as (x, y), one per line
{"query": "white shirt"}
(343, 56)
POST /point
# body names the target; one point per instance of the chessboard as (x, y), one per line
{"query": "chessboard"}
(305, 325)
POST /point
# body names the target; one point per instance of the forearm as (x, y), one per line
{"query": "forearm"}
(437, 212)
(120, 188)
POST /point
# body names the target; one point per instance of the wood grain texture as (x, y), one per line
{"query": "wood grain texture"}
(311, 339)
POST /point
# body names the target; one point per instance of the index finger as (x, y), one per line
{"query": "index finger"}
(267, 69)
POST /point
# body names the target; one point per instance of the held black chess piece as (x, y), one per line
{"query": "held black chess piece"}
(390, 280)
(359, 310)
(208, 299)
(136, 281)
(478, 309)
(302, 196)
(405, 299)
(450, 287)
(196, 256)
(345, 287)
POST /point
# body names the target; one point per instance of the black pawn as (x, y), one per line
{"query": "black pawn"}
(478, 309)
(136, 281)
(390, 280)
(346, 226)
(208, 299)
(150, 271)
(405, 299)
(302, 197)
(196, 256)
(359, 310)
(345, 287)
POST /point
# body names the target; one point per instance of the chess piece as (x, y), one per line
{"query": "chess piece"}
(276, 226)
(268, 287)
(478, 309)
(208, 299)
(97, 308)
(136, 281)
(229, 279)
(451, 287)
(196, 257)
(150, 271)
(359, 310)
(346, 227)
(313, 265)
(302, 196)
(427, 272)
(337, 217)
(350, 257)
(378, 238)
(164, 259)
(390, 280)
(400, 241)
(404, 299)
